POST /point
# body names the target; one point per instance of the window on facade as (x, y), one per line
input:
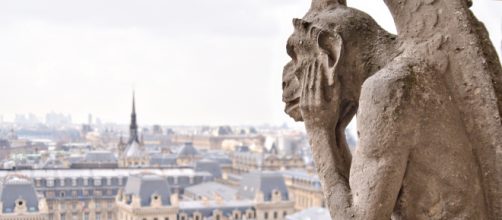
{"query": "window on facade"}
(97, 182)
(63, 217)
(50, 194)
(98, 192)
(265, 215)
(166, 218)
(275, 215)
(284, 214)
(50, 183)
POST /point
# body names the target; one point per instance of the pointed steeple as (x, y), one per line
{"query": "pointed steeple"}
(133, 128)
(133, 103)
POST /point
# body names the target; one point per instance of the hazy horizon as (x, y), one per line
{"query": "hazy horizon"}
(191, 62)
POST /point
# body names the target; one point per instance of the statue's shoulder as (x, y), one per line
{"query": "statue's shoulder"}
(397, 84)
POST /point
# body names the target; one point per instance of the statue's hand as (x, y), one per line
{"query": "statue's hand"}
(319, 102)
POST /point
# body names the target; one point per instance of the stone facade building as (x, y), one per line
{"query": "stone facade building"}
(147, 197)
(261, 196)
(304, 188)
(89, 194)
(245, 162)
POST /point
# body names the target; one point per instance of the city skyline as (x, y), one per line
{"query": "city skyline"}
(188, 62)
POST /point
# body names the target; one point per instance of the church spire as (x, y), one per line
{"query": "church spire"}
(133, 104)
(133, 128)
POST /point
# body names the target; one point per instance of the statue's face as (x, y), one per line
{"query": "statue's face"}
(307, 47)
(291, 91)
(293, 74)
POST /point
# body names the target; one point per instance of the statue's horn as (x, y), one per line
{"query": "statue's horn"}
(323, 4)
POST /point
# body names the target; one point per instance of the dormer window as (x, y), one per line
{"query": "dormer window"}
(97, 181)
(50, 182)
(20, 205)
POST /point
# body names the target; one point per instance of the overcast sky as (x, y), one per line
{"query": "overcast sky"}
(190, 61)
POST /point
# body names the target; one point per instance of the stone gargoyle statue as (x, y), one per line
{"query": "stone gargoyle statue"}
(428, 104)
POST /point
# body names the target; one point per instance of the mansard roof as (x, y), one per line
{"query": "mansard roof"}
(188, 150)
(262, 181)
(135, 149)
(209, 166)
(147, 185)
(15, 188)
(209, 190)
(100, 157)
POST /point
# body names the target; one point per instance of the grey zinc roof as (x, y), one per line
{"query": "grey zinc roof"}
(210, 189)
(219, 157)
(73, 173)
(146, 185)
(209, 166)
(53, 163)
(135, 150)
(162, 160)
(16, 188)
(188, 150)
(264, 181)
(302, 174)
(100, 156)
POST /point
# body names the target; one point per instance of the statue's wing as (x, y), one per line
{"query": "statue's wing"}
(451, 37)
(419, 18)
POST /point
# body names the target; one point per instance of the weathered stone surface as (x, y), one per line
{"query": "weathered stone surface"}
(428, 102)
